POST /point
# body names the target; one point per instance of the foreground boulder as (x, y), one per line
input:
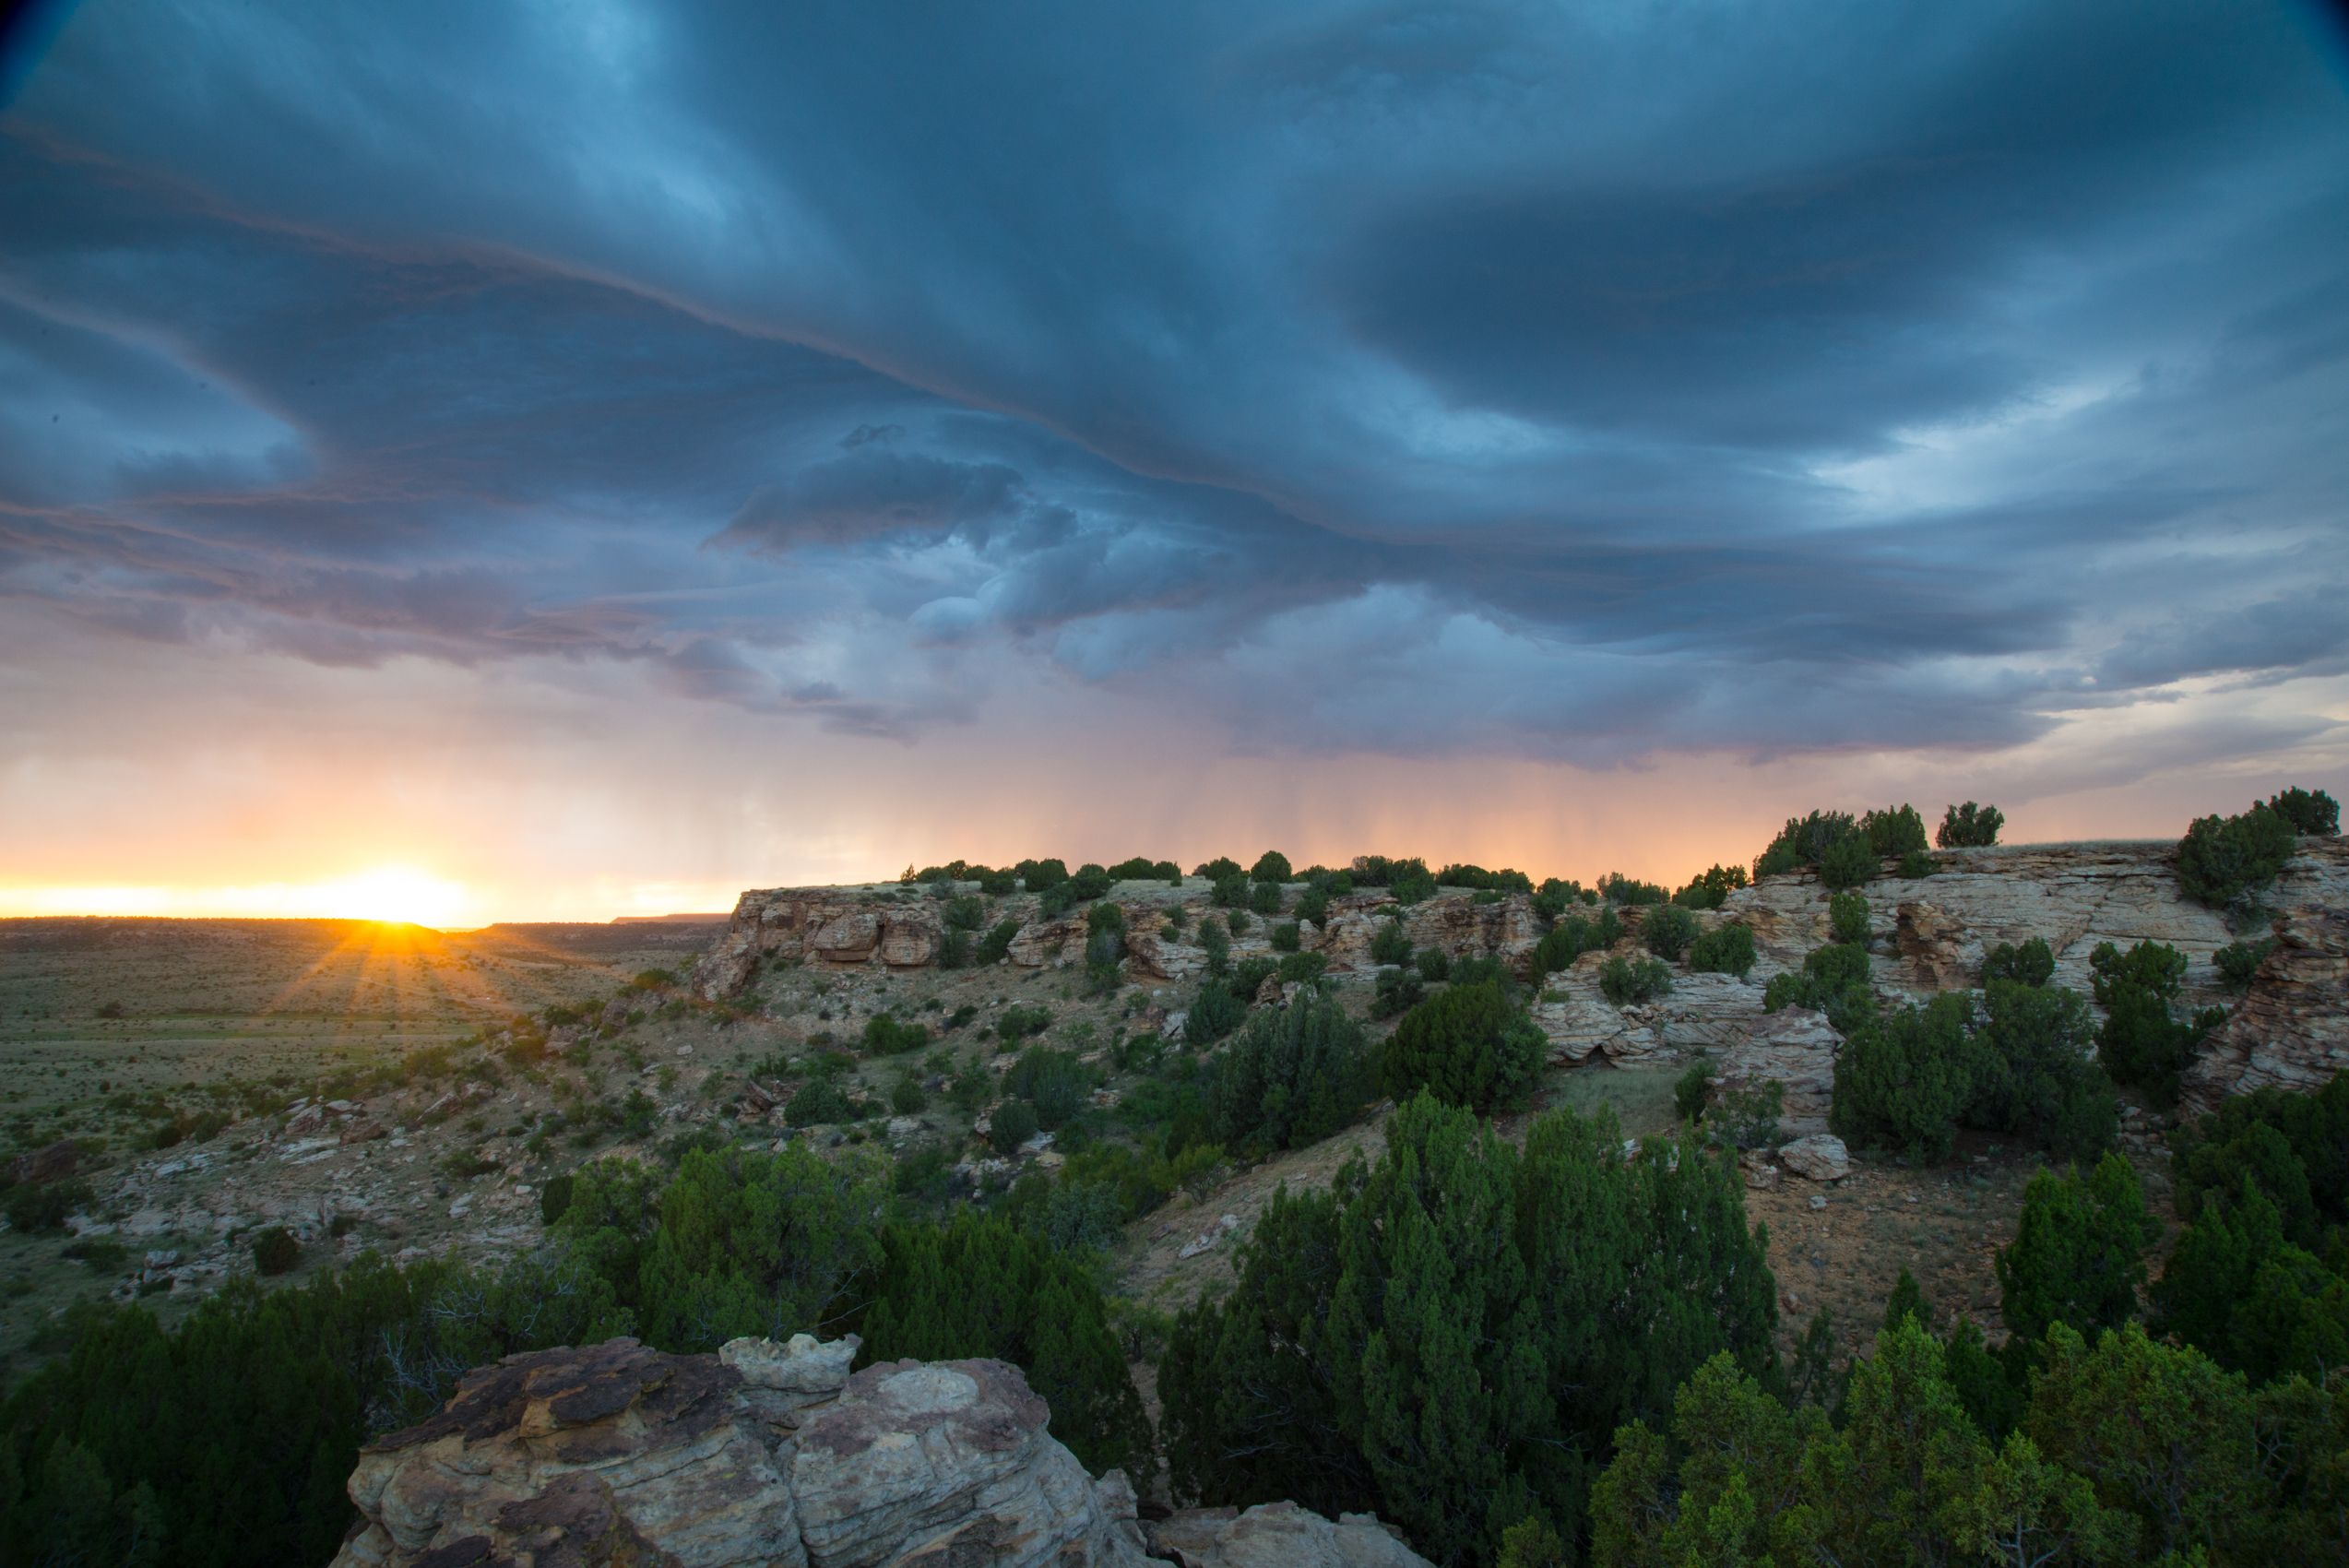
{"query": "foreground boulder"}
(615, 1455)
(1278, 1535)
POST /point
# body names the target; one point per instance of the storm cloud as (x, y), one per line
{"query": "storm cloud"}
(1587, 384)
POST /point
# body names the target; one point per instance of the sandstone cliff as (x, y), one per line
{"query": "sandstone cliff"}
(619, 1457)
(1929, 935)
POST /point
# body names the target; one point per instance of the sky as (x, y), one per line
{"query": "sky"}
(565, 460)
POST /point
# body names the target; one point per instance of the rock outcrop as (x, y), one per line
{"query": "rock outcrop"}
(2292, 1030)
(1278, 1535)
(1928, 934)
(616, 1455)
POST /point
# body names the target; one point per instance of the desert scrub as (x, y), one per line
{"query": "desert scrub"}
(2239, 961)
(1725, 950)
(1625, 980)
(1666, 930)
(275, 1250)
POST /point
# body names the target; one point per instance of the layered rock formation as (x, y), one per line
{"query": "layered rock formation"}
(619, 1457)
(2292, 1030)
(1929, 935)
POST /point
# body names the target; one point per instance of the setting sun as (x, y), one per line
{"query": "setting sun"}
(397, 895)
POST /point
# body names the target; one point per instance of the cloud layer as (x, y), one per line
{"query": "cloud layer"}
(1594, 384)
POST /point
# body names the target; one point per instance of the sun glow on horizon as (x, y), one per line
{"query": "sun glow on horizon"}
(393, 894)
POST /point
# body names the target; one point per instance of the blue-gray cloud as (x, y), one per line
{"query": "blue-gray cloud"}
(1565, 382)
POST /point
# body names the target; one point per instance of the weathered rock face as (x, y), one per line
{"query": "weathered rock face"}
(840, 927)
(1278, 1535)
(818, 925)
(762, 1455)
(1795, 1048)
(2292, 1030)
(1928, 936)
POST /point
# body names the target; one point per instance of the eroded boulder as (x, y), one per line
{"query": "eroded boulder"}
(1278, 1535)
(765, 1453)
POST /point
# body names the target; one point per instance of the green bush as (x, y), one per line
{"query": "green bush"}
(819, 1102)
(906, 1095)
(2141, 1043)
(2239, 962)
(1215, 1013)
(1666, 930)
(1264, 898)
(1847, 918)
(1038, 876)
(1748, 1118)
(2221, 861)
(1834, 979)
(1396, 992)
(998, 943)
(885, 1035)
(1468, 1045)
(1847, 862)
(1298, 966)
(2309, 811)
(1218, 869)
(1724, 950)
(1969, 827)
(1215, 941)
(1804, 841)
(1630, 892)
(275, 1250)
(41, 1208)
(227, 1439)
(1573, 937)
(1292, 1077)
(1895, 832)
(1010, 1125)
(2039, 1080)
(1692, 1088)
(999, 883)
(1391, 943)
(1019, 1022)
(1625, 980)
(1710, 889)
(1915, 864)
(1229, 892)
(1560, 894)
(965, 913)
(2033, 963)
(2126, 1451)
(1054, 1082)
(1271, 866)
(1433, 964)
(554, 1199)
(1248, 976)
(1435, 1335)
(2260, 1279)
(2078, 1255)
(1905, 1078)
(1286, 937)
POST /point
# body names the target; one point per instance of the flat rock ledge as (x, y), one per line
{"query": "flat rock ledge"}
(616, 1455)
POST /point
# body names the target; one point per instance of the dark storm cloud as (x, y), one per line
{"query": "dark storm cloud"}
(1566, 381)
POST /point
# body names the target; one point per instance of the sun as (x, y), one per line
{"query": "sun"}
(393, 894)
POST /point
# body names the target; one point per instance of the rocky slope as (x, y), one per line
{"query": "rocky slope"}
(621, 1456)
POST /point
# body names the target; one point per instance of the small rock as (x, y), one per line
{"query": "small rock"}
(1820, 1157)
(1818, 1200)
